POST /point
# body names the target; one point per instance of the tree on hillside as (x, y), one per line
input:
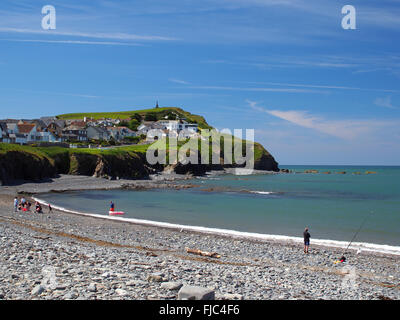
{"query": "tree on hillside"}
(124, 124)
(133, 124)
(171, 116)
(150, 117)
(136, 116)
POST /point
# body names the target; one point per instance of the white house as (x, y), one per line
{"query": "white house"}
(179, 125)
(156, 134)
(19, 138)
(46, 136)
(28, 130)
(186, 133)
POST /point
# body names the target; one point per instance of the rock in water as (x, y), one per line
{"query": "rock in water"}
(195, 293)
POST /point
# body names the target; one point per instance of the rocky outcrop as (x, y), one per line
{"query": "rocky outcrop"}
(123, 165)
(17, 165)
(266, 162)
(83, 164)
(37, 165)
(127, 165)
(263, 159)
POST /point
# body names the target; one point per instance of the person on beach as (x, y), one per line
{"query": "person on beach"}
(307, 237)
(38, 208)
(16, 202)
(50, 208)
(23, 201)
(111, 206)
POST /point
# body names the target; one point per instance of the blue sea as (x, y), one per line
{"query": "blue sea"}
(333, 206)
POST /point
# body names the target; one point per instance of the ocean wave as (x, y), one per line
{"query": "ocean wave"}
(358, 246)
(262, 192)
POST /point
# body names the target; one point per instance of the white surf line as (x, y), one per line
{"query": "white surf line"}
(363, 246)
(262, 192)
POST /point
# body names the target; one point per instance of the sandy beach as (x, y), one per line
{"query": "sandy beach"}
(60, 255)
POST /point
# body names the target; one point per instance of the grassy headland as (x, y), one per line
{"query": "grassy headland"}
(159, 114)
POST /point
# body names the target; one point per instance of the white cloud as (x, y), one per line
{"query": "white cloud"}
(265, 89)
(325, 86)
(178, 81)
(347, 129)
(96, 35)
(385, 102)
(108, 43)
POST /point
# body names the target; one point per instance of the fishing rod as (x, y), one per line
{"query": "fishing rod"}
(355, 235)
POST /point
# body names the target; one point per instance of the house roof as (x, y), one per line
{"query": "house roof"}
(74, 127)
(48, 120)
(26, 127)
(98, 129)
(79, 123)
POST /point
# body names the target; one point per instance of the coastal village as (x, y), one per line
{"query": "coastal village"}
(86, 131)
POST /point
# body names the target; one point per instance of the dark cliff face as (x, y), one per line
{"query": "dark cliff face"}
(123, 166)
(127, 165)
(266, 162)
(16, 165)
(20, 165)
(263, 161)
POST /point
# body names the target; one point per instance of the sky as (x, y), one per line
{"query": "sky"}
(314, 92)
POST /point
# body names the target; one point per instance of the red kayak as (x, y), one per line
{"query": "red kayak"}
(116, 213)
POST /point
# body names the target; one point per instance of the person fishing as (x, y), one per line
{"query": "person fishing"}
(111, 206)
(307, 237)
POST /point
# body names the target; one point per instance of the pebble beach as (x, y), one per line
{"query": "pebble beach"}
(65, 256)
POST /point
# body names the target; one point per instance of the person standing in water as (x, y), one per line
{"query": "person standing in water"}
(307, 237)
(111, 206)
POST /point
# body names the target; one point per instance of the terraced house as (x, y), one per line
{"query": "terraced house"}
(74, 133)
(4, 133)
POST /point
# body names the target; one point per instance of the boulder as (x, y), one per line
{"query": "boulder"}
(195, 293)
